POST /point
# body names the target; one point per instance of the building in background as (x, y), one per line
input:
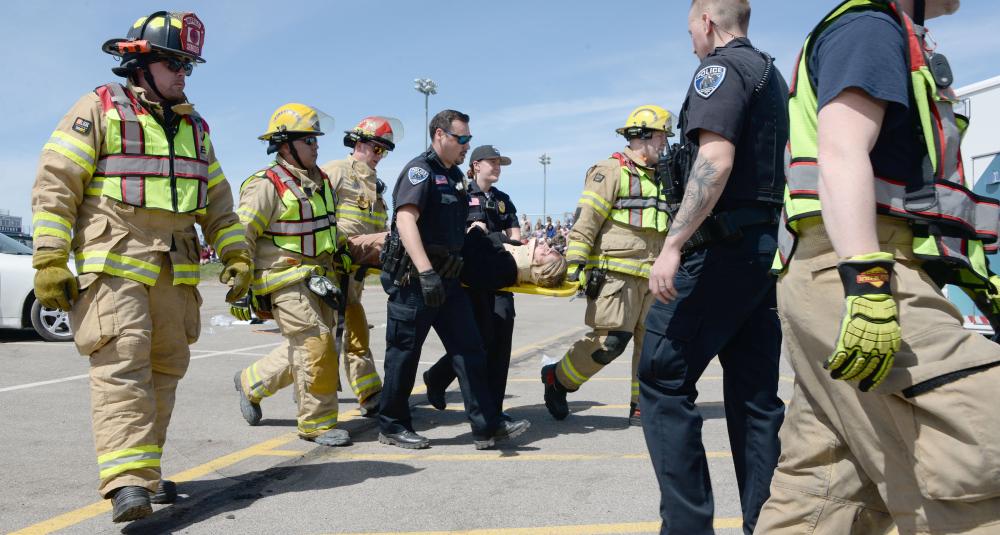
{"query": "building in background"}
(11, 226)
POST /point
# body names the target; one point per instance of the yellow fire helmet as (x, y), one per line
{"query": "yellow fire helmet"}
(295, 120)
(647, 118)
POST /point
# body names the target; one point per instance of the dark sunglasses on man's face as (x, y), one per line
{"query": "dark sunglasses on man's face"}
(311, 140)
(462, 140)
(177, 64)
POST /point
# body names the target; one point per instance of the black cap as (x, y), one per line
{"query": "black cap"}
(485, 152)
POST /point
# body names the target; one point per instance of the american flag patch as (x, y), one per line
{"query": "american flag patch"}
(440, 179)
(473, 201)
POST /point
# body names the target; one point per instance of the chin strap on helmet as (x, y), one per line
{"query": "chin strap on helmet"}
(919, 11)
(295, 155)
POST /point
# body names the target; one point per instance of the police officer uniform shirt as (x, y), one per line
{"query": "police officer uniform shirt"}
(440, 195)
(731, 96)
(493, 207)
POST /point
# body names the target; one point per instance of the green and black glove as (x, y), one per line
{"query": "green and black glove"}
(869, 335)
(55, 285)
(240, 309)
(577, 275)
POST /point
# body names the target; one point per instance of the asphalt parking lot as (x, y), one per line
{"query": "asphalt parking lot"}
(585, 475)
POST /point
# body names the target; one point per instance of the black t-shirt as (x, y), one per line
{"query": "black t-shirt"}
(493, 208)
(867, 50)
(721, 100)
(439, 195)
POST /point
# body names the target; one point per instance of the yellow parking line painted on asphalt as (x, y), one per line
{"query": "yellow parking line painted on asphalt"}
(585, 529)
(265, 448)
(282, 453)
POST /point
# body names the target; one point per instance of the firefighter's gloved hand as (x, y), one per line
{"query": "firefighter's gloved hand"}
(344, 261)
(869, 335)
(994, 293)
(240, 308)
(432, 287)
(55, 285)
(239, 270)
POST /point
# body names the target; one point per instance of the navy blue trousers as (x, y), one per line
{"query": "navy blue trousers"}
(726, 307)
(408, 323)
(494, 313)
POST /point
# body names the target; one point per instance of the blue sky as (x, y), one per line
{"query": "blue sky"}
(555, 77)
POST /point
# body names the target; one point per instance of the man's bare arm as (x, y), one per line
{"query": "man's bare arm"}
(705, 184)
(848, 128)
(406, 222)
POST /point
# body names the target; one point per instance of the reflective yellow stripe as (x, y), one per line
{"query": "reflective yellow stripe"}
(320, 424)
(117, 265)
(229, 235)
(577, 250)
(77, 151)
(257, 388)
(621, 265)
(215, 175)
(253, 217)
(95, 187)
(366, 383)
(187, 274)
(127, 459)
(595, 201)
(276, 279)
(635, 388)
(49, 224)
(576, 377)
(348, 212)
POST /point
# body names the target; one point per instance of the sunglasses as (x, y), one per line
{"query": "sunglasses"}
(177, 65)
(311, 140)
(462, 140)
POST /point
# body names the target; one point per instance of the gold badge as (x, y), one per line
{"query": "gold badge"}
(502, 207)
(363, 202)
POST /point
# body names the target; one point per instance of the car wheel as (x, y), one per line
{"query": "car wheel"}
(51, 324)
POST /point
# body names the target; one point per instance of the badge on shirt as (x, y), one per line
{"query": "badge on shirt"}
(363, 202)
(82, 126)
(502, 206)
(417, 175)
(709, 79)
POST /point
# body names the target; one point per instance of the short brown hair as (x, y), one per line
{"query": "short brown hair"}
(550, 274)
(443, 119)
(731, 15)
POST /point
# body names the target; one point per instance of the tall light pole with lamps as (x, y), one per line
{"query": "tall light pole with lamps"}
(545, 161)
(428, 88)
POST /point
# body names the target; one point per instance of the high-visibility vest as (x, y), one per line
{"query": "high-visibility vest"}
(141, 165)
(640, 202)
(950, 223)
(306, 226)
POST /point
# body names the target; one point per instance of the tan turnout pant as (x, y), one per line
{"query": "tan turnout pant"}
(857, 463)
(617, 315)
(137, 338)
(306, 357)
(359, 365)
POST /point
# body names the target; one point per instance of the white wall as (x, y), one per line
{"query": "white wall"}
(982, 101)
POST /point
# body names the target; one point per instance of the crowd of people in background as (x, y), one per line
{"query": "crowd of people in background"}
(555, 235)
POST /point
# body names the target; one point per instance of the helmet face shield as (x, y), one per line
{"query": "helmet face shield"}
(296, 120)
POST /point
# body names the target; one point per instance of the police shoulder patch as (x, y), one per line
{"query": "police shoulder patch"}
(417, 175)
(709, 79)
(82, 126)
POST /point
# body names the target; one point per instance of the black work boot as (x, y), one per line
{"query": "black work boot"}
(406, 439)
(555, 394)
(250, 410)
(369, 407)
(634, 415)
(506, 430)
(130, 503)
(166, 492)
(434, 395)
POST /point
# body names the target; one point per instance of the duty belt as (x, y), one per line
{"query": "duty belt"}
(728, 226)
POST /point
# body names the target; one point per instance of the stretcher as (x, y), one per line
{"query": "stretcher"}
(568, 289)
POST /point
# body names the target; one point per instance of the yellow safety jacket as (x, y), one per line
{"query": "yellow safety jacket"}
(951, 224)
(620, 224)
(305, 226)
(141, 165)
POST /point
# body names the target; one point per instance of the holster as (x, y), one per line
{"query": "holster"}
(727, 227)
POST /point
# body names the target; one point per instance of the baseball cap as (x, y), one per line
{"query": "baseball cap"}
(485, 152)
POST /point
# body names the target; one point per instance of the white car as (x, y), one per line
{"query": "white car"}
(18, 307)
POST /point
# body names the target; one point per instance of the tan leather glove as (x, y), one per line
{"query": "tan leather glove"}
(55, 285)
(238, 274)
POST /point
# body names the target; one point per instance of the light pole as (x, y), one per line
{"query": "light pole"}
(545, 161)
(428, 88)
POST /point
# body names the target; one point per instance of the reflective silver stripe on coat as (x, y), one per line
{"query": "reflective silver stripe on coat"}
(133, 190)
(131, 129)
(299, 228)
(144, 165)
(54, 140)
(642, 202)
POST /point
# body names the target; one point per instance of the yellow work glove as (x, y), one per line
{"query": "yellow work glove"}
(577, 275)
(55, 285)
(994, 293)
(240, 308)
(239, 270)
(869, 335)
